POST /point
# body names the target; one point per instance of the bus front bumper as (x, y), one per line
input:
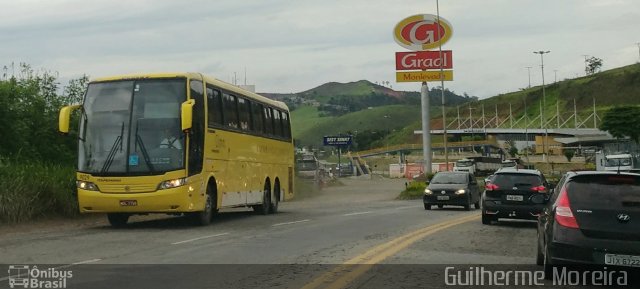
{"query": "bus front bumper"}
(175, 200)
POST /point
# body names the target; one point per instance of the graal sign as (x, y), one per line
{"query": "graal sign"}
(422, 32)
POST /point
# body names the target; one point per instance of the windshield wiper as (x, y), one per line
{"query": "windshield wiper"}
(145, 154)
(112, 151)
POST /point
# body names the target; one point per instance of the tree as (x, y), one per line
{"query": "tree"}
(593, 65)
(622, 121)
(569, 154)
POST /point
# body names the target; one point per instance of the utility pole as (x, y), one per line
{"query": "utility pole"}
(638, 43)
(542, 53)
(529, 69)
(555, 75)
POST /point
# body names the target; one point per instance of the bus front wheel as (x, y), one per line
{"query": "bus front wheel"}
(203, 218)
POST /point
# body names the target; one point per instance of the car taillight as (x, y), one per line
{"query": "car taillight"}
(491, 187)
(539, 188)
(564, 216)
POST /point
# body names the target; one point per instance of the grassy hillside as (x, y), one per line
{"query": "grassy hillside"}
(620, 86)
(385, 118)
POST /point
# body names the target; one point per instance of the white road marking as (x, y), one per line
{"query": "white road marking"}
(407, 207)
(199, 238)
(289, 223)
(86, 262)
(357, 213)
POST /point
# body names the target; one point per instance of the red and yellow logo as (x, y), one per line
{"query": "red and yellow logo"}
(422, 32)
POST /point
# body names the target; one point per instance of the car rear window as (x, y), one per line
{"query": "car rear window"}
(611, 191)
(507, 180)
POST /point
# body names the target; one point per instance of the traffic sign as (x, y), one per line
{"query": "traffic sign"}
(337, 140)
(424, 76)
(422, 60)
(422, 32)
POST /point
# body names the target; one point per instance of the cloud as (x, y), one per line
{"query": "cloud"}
(290, 46)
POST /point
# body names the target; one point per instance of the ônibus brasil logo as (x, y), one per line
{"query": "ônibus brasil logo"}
(23, 276)
(422, 32)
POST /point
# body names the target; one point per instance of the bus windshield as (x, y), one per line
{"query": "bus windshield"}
(618, 162)
(132, 127)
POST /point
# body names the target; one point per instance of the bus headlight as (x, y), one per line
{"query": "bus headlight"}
(461, 192)
(427, 192)
(89, 186)
(172, 184)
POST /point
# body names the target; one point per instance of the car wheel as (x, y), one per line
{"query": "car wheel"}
(118, 220)
(467, 207)
(477, 204)
(486, 219)
(440, 206)
(427, 207)
(548, 267)
(539, 255)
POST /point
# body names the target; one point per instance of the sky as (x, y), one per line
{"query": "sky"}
(292, 46)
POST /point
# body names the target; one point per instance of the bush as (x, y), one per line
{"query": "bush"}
(414, 190)
(34, 190)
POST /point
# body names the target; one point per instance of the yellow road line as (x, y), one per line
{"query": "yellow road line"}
(343, 275)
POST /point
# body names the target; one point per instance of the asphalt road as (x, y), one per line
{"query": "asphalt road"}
(351, 236)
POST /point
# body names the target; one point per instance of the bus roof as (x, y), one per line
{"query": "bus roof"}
(192, 75)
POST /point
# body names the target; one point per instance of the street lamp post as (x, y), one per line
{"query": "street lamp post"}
(544, 146)
(529, 70)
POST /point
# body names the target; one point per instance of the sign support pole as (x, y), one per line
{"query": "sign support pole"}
(426, 128)
(339, 166)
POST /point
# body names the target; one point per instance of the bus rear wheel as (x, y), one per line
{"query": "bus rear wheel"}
(273, 208)
(118, 220)
(263, 209)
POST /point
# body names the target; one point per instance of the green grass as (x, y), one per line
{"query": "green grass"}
(414, 190)
(378, 118)
(33, 190)
(304, 118)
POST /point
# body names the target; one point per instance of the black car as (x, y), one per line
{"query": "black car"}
(512, 194)
(591, 218)
(452, 188)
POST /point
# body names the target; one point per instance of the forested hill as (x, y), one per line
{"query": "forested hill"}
(335, 98)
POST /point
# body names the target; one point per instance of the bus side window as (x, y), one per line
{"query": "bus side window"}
(277, 124)
(245, 113)
(286, 125)
(268, 121)
(214, 105)
(230, 110)
(258, 121)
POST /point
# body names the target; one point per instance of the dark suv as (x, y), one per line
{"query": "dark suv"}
(452, 188)
(514, 194)
(591, 218)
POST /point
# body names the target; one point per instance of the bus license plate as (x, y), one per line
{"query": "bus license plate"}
(128, 203)
(515, 198)
(622, 260)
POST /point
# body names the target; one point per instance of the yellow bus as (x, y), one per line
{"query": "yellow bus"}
(179, 143)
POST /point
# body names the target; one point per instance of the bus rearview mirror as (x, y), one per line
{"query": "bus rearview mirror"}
(186, 114)
(65, 117)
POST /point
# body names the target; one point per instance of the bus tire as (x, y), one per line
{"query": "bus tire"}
(204, 217)
(273, 208)
(118, 220)
(263, 209)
